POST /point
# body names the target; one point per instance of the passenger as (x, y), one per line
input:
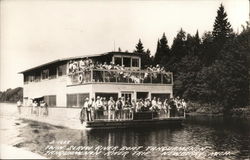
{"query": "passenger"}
(165, 110)
(154, 104)
(147, 105)
(83, 114)
(98, 108)
(127, 108)
(105, 107)
(132, 109)
(123, 107)
(172, 106)
(184, 104)
(19, 105)
(42, 107)
(92, 108)
(119, 109)
(140, 105)
(159, 105)
(111, 109)
(46, 109)
(89, 110)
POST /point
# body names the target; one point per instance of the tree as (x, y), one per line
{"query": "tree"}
(222, 31)
(178, 50)
(145, 56)
(226, 81)
(222, 28)
(193, 44)
(139, 47)
(162, 54)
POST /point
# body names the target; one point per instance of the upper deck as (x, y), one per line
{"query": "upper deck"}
(111, 67)
(113, 76)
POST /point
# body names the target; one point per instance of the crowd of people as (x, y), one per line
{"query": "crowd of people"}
(87, 64)
(153, 74)
(124, 109)
(39, 108)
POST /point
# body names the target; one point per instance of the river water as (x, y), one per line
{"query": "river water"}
(197, 138)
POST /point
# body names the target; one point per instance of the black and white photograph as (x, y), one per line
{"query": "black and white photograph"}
(125, 79)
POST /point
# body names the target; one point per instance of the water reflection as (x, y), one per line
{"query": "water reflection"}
(216, 137)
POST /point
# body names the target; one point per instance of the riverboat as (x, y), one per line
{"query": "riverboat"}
(65, 83)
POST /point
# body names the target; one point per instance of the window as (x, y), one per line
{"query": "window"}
(62, 70)
(31, 78)
(107, 95)
(37, 76)
(52, 72)
(76, 100)
(118, 60)
(50, 100)
(127, 62)
(135, 62)
(45, 74)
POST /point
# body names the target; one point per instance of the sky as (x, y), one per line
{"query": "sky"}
(39, 31)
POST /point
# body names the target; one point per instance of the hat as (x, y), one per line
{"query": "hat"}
(86, 98)
(98, 97)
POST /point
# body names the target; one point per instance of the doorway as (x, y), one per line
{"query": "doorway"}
(127, 95)
(141, 95)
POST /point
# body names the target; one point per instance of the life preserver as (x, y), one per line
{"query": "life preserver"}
(80, 78)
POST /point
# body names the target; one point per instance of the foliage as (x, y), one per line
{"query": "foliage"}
(12, 95)
(145, 56)
(162, 54)
(212, 70)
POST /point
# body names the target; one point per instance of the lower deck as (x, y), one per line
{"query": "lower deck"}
(157, 122)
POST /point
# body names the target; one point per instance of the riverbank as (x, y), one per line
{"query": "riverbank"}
(198, 109)
(9, 152)
(65, 117)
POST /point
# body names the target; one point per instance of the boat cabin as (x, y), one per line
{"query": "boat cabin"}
(68, 82)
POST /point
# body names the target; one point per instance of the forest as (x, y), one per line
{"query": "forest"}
(209, 70)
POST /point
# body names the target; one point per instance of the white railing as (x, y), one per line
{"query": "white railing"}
(119, 76)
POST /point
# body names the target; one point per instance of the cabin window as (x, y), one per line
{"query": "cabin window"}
(118, 60)
(31, 78)
(37, 75)
(141, 95)
(62, 70)
(26, 79)
(50, 100)
(52, 72)
(45, 74)
(76, 100)
(127, 61)
(135, 62)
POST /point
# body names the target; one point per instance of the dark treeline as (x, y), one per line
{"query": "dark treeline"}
(11, 95)
(211, 69)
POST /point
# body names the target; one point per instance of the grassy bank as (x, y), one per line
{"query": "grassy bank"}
(195, 108)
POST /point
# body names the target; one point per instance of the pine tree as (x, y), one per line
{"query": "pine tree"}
(222, 27)
(145, 56)
(178, 50)
(139, 47)
(162, 54)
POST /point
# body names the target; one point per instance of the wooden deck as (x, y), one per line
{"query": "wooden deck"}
(157, 122)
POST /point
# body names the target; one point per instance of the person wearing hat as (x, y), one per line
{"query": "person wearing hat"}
(119, 109)
(98, 106)
(147, 105)
(111, 109)
(83, 114)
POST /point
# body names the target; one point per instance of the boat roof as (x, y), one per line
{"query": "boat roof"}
(79, 57)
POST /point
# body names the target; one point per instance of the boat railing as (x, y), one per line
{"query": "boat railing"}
(141, 115)
(119, 76)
